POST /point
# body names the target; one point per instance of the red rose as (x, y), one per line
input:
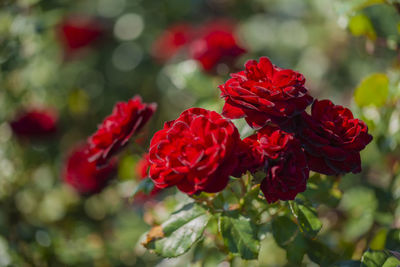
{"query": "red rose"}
(85, 176)
(248, 158)
(171, 41)
(126, 119)
(264, 93)
(284, 161)
(216, 44)
(195, 152)
(333, 139)
(35, 123)
(77, 32)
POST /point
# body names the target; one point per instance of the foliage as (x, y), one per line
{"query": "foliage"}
(348, 50)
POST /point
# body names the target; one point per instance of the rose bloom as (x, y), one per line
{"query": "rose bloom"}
(115, 131)
(333, 139)
(84, 176)
(264, 93)
(248, 158)
(216, 44)
(77, 32)
(35, 123)
(284, 163)
(171, 41)
(195, 152)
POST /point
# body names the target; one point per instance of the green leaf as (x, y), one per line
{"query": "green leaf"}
(307, 218)
(373, 90)
(360, 25)
(284, 230)
(378, 242)
(378, 258)
(393, 240)
(239, 235)
(359, 203)
(295, 250)
(176, 236)
(145, 186)
(323, 190)
(320, 253)
(347, 264)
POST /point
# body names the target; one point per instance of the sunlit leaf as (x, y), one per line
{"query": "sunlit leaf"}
(239, 235)
(177, 235)
(380, 258)
(307, 218)
(378, 242)
(360, 25)
(373, 90)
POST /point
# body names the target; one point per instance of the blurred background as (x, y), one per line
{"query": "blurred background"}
(64, 65)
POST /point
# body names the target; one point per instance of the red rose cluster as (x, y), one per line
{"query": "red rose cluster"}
(200, 150)
(210, 45)
(91, 166)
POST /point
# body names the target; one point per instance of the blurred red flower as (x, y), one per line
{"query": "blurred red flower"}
(76, 32)
(115, 131)
(171, 41)
(35, 123)
(333, 138)
(216, 43)
(195, 152)
(264, 93)
(84, 176)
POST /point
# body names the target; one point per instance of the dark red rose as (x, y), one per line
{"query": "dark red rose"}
(35, 123)
(84, 176)
(77, 32)
(171, 41)
(248, 159)
(216, 44)
(264, 93)
(195, 152)
(333, 139)
(126, 119)
(283, 160)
